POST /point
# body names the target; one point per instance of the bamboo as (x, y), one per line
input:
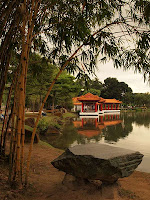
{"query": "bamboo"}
(40, 111)
(3, 133)
(11, 148)
(26, 58)
(12, 161)
(6, 12)
(15, 112)
(48, 92)
(21, 102)
(2, 89)
(4, 52)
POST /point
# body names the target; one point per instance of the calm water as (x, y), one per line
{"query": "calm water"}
(127, 130)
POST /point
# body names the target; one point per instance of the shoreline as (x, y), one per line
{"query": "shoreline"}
(46, 181)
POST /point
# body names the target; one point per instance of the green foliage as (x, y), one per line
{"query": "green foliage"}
(127, 194)
(89, 85)
(67, 25)
(102, 28)
(95, 91)
(43, 125)
(112, 88)
(45, 144)
(68, 115)
(29, 128)
(63, 91)
(40, 74)
(141, 99)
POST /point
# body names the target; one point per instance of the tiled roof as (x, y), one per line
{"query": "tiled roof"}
(91, 97)
(75, 101)
(88, 97)
(101, 100)
(112, 101)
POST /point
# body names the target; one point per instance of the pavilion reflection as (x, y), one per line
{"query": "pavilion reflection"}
(91, 127)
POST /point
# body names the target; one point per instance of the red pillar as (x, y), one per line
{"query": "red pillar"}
(118, 107)
(105, 106)
(115, 106)
(82, 122)
(108, 106)
(82, 106)
(101, 108)
(111, 106)
(95, 107)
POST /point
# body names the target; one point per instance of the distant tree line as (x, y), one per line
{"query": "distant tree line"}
(41, 73)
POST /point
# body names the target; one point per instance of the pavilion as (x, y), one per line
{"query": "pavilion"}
(93, 105)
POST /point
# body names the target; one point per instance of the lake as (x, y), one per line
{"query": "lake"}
(129, 130)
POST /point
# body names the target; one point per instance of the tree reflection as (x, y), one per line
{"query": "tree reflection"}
(139, 118)
(111, 128)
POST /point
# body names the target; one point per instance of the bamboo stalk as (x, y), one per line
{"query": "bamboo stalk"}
(21, 102)
(4, 132)
(11, 146)
(12, 161)
(26, 59)
(40, 111)
(6, 13)
(2, 89)
(5, 47)
(48, 92)
(15, 112)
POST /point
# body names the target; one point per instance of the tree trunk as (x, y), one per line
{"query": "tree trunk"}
(6, 111)
(18, 149)
(40, 111)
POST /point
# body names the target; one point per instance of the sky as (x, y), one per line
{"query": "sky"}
(134, 80)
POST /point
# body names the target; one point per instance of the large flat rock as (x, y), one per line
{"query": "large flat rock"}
(98, 162)
(101, 151)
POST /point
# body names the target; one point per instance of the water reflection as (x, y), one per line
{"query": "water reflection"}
(85, 130)
(99, 127)
(126, 130)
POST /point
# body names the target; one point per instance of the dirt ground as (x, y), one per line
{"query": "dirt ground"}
(46, 182)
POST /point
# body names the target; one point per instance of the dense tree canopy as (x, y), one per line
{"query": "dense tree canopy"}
(112, 88)
(141, 99)
(40, 74)
(63, 91)
(86, 84)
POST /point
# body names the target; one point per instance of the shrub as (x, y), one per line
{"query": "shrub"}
(43, 125)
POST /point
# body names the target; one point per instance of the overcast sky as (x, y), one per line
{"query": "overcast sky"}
(134, 80)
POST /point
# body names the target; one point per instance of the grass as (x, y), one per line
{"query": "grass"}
(127, 193)
(45, 144)
(29, 128)
(69, 115)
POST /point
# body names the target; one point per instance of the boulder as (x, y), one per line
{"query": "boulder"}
(52, 130)
(98, 162)
(28, 135)
(30, 122)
